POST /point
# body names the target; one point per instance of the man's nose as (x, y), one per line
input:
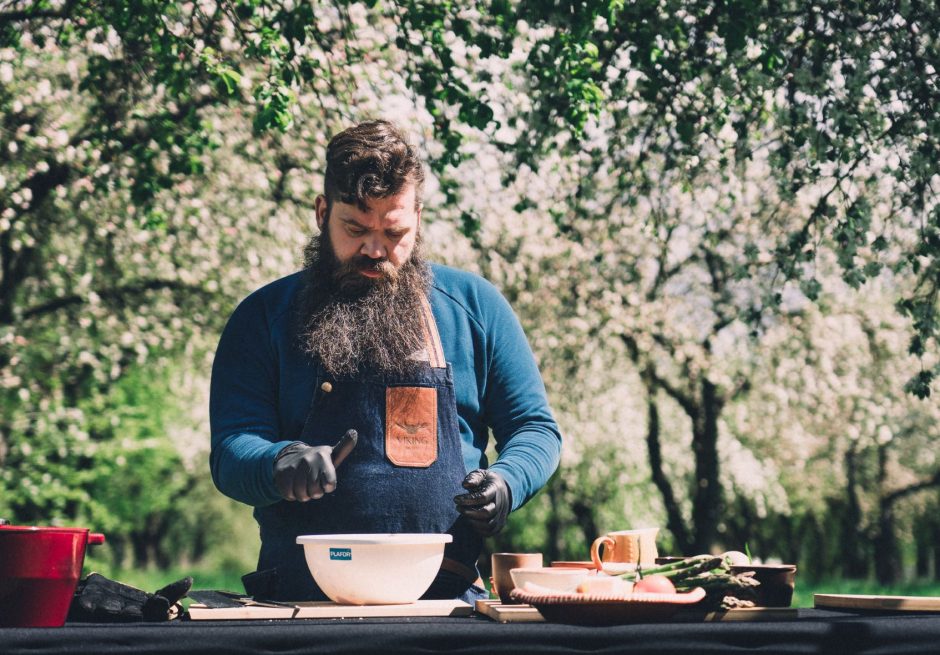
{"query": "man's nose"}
(374, 248)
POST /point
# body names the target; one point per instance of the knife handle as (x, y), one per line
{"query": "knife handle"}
(343, 447)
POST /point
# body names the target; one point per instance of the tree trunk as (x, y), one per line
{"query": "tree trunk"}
(674, 521)
(935, 541)
(584, 516)
(140, 548)
(18, 265)
(922, 547)
(707, 495)
(854, 562)
(887, 552)
(164, 550)
(553, 524)
(703, 405)
(815, 551)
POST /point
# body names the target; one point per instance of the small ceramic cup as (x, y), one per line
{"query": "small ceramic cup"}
(503, 563)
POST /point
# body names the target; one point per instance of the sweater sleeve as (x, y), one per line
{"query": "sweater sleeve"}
(528, 441)
(243, 408)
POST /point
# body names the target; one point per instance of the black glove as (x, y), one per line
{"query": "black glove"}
(102, 600)
(487, 502)
(303, 472)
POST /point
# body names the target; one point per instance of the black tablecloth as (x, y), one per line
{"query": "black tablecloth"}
(814, 631)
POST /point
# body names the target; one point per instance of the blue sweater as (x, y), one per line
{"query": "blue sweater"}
(262, 384)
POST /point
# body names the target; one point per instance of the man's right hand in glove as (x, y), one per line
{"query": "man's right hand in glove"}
(303, 472)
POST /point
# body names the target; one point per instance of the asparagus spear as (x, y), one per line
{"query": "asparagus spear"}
(687, 567)
(725, 582)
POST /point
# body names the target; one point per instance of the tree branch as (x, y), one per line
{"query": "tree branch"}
(687, 403)
(674, 518)
(36, 14)
(904, 492)
(110, 294)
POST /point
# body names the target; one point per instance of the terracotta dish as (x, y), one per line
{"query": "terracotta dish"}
(597, 609)
(574, 564)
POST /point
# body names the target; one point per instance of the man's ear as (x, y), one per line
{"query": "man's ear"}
(322, 209)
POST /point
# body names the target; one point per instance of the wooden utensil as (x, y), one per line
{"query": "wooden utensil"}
(876, 602)
(343, 447)
(329, 610)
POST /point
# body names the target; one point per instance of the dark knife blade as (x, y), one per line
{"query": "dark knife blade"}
(215, 599)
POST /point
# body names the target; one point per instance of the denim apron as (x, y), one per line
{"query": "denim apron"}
(401, 477)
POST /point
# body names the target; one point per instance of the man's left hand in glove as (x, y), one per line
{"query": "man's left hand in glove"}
(487, 501)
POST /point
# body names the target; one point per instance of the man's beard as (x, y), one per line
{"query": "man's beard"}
(352, 323)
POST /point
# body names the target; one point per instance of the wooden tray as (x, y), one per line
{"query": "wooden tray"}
(328, 610)
(877, 603)
(497, 611)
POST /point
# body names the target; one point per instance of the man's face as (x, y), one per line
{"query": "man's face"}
(364, 284)
(376, 242)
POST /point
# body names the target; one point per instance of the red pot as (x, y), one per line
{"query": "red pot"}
(39, 570)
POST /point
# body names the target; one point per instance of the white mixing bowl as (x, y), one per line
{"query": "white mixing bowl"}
(374, 569)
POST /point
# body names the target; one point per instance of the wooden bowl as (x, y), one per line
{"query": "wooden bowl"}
(777, 582)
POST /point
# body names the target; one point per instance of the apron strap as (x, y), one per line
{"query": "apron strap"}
(432, 338)
(464, 571)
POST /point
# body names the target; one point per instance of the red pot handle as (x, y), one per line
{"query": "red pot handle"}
(95, 538)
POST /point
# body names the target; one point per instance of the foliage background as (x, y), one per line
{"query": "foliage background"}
(717, 222)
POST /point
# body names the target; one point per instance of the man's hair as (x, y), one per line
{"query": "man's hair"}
(370, 160)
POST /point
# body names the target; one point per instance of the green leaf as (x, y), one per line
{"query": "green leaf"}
(811, 288)
(470, 224)
(686, 130)
(244, 10)
(919, 385)
(853, 277)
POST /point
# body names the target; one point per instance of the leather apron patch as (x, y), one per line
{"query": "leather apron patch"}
(411, 426)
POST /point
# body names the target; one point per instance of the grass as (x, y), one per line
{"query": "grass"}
(202, 579)
(153, 579)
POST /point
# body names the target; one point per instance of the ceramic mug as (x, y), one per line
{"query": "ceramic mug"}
(503, 563)
(626, 547)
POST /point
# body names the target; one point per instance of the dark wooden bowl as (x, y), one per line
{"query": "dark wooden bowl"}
(777, 582)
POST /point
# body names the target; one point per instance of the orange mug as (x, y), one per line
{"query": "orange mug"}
(626, 547)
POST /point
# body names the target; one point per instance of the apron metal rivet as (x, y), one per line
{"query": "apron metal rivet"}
(327, 387)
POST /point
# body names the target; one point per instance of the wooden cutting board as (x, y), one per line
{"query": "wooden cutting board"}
(884, 603)
(328, 610)
(528, 614)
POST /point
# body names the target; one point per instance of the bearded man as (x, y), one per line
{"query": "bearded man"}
(420, 359)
